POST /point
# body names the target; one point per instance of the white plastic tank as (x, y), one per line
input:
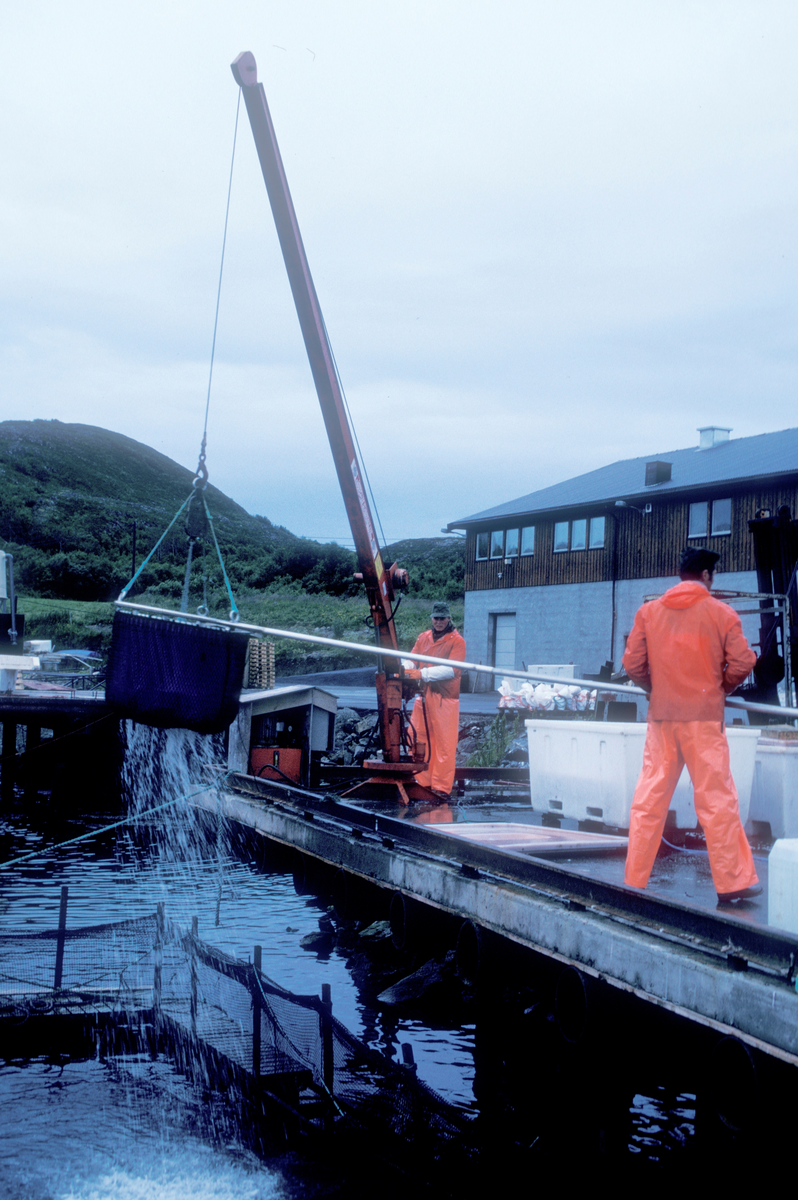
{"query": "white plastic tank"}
(783, 885)
(587, 770)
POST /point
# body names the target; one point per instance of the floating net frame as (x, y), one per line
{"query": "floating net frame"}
(226, 1023)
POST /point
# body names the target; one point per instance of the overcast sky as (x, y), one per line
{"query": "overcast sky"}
(545, 236)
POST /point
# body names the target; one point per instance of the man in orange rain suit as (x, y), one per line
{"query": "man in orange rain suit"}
(436, 712)
(688, 650)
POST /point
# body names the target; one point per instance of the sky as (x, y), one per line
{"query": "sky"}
(545, 236)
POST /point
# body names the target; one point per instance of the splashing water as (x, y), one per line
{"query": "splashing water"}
(105, 1130)
(174, 1183)
(164, 769)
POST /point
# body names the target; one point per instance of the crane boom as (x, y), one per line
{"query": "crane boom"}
(380, 582)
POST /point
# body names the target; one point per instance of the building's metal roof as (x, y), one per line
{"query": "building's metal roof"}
(732, 462)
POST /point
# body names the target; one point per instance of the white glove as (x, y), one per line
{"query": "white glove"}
(408, 664)
(436, 674)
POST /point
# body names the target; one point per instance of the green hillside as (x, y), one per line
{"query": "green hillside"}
(69, 497)
(436, 566)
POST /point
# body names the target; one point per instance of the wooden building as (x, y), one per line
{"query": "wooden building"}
(557, 576)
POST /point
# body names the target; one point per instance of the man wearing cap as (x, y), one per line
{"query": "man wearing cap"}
(688, 650)
(436, 712)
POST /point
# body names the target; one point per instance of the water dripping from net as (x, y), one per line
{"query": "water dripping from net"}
(165, 768)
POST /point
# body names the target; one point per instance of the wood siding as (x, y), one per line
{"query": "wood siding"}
(637, 545)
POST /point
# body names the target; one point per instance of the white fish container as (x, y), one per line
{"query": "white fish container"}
(587, 770)
(783, 885)
(774, 797)
(39, 647)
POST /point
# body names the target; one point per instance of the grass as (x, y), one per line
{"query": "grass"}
(73, 624)
(504, 728)
(69, 624)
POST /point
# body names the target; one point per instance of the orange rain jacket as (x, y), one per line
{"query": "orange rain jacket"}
(442, 708)
(688, 650)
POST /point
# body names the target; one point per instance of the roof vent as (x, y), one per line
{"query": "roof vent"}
(712, 435)
(658, 472)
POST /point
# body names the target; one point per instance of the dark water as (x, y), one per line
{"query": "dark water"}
(124, 1130)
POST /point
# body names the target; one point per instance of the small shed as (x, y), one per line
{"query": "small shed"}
(281, 733)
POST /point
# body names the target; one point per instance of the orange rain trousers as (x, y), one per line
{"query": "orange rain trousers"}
(440, 733)
(703, 747)
(442, 703)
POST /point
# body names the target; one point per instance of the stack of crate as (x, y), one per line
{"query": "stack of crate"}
(261, 674)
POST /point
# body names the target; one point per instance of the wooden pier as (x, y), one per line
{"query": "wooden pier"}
(718, 970)
(58, 741)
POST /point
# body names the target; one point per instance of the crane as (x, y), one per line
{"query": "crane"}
(381, 583)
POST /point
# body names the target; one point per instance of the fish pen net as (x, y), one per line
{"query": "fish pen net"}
(114, 960)
(223, 1020)
(174, 674)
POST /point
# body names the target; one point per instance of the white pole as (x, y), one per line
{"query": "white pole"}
(620, 689)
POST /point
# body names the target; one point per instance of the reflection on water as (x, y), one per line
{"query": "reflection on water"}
(104, 1129)
(95, 1129)
(661, 1124)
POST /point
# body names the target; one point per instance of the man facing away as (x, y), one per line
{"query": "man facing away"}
(688, 650)
(436, 712)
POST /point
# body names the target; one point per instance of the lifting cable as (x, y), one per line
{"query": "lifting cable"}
(354, 433)
(198, 519)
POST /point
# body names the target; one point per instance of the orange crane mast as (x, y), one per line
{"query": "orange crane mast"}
(381, 582)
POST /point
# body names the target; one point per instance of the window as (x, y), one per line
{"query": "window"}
(697, 526)
(714, 517)
(505, 543)
(721, 516)
(560, 536)
(579, 534)
(596, 533)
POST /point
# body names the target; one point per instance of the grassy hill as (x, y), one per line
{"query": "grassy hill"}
(436, 566)
(69, 497)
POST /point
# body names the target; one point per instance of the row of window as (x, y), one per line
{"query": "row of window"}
(506, 543)
(583, 534)
(714, 515)
(706, 517)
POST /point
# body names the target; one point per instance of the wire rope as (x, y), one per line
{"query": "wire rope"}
(221, 273)
(354, 434)
(85, 837)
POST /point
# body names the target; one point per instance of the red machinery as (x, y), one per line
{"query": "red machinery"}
(381, 583)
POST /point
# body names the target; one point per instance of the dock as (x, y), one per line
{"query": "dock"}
(499, 884)
(50, 737)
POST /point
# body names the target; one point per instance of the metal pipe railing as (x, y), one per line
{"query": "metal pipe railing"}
(620, 689)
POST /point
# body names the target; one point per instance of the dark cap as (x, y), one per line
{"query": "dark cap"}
(440, 609)
(694, 560)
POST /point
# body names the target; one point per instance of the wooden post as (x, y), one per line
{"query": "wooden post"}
(194, 931)
(8, 769)
(257, 958)
(157, 976)
(59, 948)
(327, 1065)
(33, 739)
